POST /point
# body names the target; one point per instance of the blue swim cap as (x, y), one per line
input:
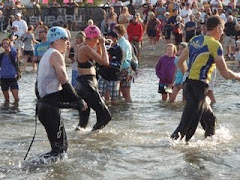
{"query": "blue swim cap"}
(55, 33)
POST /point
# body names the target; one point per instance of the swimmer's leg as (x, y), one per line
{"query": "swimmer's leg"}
(208, 122)
(50, 118)
(186, 121)
(84, 118)
(194, 108)
(102, 111)
(189, 109)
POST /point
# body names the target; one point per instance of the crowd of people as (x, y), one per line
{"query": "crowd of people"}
(103, 63)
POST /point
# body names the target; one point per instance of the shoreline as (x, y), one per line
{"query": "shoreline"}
(148, 57)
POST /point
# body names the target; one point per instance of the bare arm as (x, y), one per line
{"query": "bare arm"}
(34, 40)
(175, 72)
(86, 53)
(105, 57)
(182, 61)
(223, 69)
(57, 61)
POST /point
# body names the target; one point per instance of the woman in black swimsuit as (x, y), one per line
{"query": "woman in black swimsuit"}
(87, 83)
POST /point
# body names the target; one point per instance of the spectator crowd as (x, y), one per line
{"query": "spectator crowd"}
(174, 22)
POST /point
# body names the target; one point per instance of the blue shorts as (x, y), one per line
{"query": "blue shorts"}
(111, 86)
(74, 78)
(7, 84)
(28, 53)
(161, 88)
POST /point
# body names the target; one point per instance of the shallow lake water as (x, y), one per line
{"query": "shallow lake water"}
(134, 145)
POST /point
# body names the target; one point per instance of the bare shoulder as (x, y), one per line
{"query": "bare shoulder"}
(85, 51)
(56, 58)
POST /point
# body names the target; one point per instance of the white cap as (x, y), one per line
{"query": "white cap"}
(19, 14)
(167, 13)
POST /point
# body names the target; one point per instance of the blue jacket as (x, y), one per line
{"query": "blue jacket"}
(8, 70)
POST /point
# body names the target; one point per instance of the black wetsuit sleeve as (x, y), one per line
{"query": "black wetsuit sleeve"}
(68, 93)
(69, 98)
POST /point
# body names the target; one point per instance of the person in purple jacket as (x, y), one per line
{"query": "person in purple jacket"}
(165, 70)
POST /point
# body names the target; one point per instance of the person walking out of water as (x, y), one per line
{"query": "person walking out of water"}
(87, 85)
(165, 70)
(55, 92)
(8, 71)
(204, 53)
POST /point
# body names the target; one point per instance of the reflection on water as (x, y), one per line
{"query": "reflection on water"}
(135, 144)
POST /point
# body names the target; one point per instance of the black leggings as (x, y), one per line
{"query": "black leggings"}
(50, 118)
(196, 110)
(48, 110)
(87, 88)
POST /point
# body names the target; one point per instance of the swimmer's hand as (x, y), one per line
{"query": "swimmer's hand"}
(101, 39)
(237, 76)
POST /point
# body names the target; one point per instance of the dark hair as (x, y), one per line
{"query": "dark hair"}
(213, 21)
(30, 27)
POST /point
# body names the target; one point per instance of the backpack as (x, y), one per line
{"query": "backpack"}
(15, 64)
(134, 61)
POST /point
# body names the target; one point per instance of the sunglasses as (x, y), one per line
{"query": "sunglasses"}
(64, 38)
(42, 32)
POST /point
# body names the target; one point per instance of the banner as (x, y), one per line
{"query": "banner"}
(45, 1)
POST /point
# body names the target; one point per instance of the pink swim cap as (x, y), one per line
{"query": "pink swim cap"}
(92, 31)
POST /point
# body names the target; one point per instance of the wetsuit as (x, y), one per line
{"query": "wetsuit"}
(202, 52)
(87, 88)
(54, 96)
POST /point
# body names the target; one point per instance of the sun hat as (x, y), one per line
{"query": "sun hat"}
(55, 33)
(92, 31)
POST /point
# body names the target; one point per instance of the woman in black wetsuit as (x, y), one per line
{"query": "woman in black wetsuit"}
(87, 85)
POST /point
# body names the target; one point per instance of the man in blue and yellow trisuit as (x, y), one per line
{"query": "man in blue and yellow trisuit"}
(205, 53)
